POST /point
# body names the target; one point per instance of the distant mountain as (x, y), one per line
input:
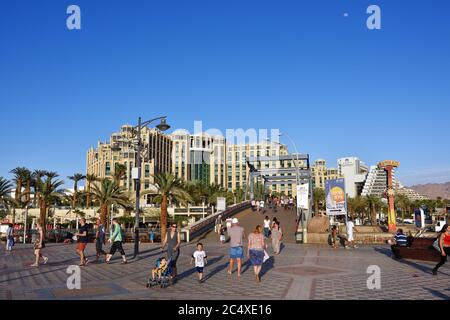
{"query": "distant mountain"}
(433, 190)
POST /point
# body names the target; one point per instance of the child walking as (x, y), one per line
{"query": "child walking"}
(200, 259)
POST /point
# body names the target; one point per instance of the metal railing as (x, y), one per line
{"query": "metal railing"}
(209, 222)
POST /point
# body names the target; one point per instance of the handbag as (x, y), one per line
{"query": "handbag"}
(437, 245)
(37, 245)
(266, 256)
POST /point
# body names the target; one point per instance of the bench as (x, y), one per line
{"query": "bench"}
(420, 249)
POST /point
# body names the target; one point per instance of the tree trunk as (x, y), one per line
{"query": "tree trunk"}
(28, 191)
(374, 216)
(88, 196)
(104, 214)
(13, 220)
(163, 217)
(43, 216)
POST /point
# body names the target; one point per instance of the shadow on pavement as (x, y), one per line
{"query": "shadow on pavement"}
(269, 265)
(191, 271)
(387, 252)
(438, 294)
(217, 269)
(33, 275)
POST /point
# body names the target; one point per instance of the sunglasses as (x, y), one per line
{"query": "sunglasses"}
(175, 227)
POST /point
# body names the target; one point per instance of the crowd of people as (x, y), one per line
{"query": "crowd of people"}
(228, 230)
(273, 203)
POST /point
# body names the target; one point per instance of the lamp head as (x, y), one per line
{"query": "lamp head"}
(163, 126)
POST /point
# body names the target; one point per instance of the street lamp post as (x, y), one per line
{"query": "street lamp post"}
(25, 226)
(300, 212)
(163, 126)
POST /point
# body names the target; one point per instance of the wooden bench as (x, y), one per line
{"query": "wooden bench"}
(420, 249)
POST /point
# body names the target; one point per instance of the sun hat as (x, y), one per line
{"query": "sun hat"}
(235, 221)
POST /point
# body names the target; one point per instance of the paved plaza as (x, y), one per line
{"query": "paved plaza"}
(307, 272)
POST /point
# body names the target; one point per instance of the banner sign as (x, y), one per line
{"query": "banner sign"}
(335, 197)
(303, 196)
(221, 204)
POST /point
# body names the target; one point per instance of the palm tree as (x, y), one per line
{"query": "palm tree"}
(36, 176)
(319, 197)
(402, 202)
(90, 178)
(374, 204)
(171, 189)
(107, 193)
(77, 177)
(48, 194)
(27, 181)
(5, 192)
(51, 174)
(20, 175)
(120, 173)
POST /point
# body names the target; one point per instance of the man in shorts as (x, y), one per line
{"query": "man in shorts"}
(82, 237)
(237, 235)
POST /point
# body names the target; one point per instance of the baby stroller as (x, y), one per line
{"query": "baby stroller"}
(166, 278)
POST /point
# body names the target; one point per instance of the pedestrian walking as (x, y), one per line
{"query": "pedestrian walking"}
(267, 227)
(256, 247)
(116, 239)
(444, 245)
(173, 243)
(82, 238)
(10, 237)
(275, 221)
(277, 237)
(261, 207)
(151, 235)
(222, 238)
(100, 240)
(333, 237)
(200, 259)
(39, 245)
(350, 234)
(237, 235)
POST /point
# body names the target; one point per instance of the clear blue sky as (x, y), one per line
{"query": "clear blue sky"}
(304, 67)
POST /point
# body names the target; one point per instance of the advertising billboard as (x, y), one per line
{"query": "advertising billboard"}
(303, 196)
(335, 197)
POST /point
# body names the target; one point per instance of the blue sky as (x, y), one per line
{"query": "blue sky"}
(304, 67)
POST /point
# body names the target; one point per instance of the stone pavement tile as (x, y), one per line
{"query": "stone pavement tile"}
(313, 272)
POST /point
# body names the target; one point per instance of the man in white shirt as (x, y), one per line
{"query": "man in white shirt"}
(267, 227)
(261, 206)
(350, 234)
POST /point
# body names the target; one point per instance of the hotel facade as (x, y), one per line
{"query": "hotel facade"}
(200, 157)
(121, 149)
(320, 173)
